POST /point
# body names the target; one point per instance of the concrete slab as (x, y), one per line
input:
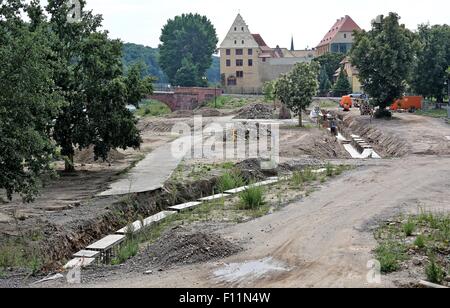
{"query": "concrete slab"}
(265, 183)
(87, 254)
(147, 222)
(107, 242)
(236, 190)
(214, 197)
(447, 137)
(137, 226)
(185, 206)
(5, 218)
(79, 262)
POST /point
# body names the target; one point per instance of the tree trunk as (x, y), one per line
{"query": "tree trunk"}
(300, 122)
(69, 166)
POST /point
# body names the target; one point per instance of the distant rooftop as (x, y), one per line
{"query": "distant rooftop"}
(344, 24)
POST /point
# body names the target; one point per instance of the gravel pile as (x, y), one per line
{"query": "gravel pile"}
(256, 111)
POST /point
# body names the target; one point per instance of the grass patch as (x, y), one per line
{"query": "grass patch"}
(390, 255)
(435, 273)
(126, 251)
(226, 102)
(434, 113)
(229, 180)
(409, 227)
(19, 253)
(152, 108)
(432, 241)
(252, 198)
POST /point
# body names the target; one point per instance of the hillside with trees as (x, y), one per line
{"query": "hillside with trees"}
(149, 57)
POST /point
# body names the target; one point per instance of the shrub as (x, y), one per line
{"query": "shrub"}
(409, 227)
(297, 179)
(330, 170)
(252, 198)
(127, 251)
(389, 254)
(420, 241)
(229, 180)
(435, 273)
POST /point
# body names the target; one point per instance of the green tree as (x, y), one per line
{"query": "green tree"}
(297, 89)
(138, 86)
(28, 101)
(330, 62)
(383, 57)
(324, 82)
(188, 43)
(269, 91)
(90, 76)
(342, 86)
(433, 60)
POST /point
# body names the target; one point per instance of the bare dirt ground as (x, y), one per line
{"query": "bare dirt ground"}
(326, 239)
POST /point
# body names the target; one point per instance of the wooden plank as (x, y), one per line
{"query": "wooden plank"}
(107, 242)
(79, 262)
(87, 254)
(185, 206)
(214, 197)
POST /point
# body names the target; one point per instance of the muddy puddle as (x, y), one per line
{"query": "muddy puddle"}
(249, 271)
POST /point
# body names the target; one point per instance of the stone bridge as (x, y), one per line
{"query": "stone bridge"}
(186, 98)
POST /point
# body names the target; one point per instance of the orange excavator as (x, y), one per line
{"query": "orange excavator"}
(346, 102)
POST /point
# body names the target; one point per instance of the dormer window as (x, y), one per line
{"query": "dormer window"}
(235, 29)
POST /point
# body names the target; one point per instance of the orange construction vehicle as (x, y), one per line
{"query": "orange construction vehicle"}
(346, 102)
(408, 103)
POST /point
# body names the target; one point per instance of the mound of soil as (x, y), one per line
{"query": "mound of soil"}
(255, 111)
(208, 112)
(181, 114)
(87, 156)
(179, 246)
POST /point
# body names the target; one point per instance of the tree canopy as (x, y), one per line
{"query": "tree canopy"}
(342, 86)
(324, 82)
(383, 57)
(433, 59)
(297, 89)
(188, 42)
(330, 62)
(28, 102)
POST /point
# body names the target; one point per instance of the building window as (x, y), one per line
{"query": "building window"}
(231, 81)
(228, 63)
(250, 52)
(264, 59)
(235, 29)
(240, 74)
(239, 52)
(228, 52)
(250, 62)
(239, 62)
(235, 42)
(242, 42)
(345, 35)
(242, 28)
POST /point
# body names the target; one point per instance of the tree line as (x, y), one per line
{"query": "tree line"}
(62, 88)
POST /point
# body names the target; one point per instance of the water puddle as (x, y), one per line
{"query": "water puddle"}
(251, 270)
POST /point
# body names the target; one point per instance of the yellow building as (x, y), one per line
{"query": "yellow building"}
(246, 62)
(352, 74)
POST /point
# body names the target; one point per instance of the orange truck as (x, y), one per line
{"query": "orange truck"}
(408, 103)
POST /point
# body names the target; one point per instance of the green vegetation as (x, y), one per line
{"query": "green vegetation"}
(269, 91)
(20, 253)
(409, 227)
(229, 180)
(226, 102)
(432, 241)
(342, 86)
(252, 198)
(434, 113)
(433, 59)
(390, 255)
(330, 62)
(296, 89)
(152, 108)
(126, 251)
(324, 82)
(435, 273)
(383, 57)
(182, 60)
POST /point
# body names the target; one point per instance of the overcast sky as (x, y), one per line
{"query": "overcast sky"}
(140, 21)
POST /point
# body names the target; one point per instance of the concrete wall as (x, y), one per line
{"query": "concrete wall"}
(273, 68)
(186, 98)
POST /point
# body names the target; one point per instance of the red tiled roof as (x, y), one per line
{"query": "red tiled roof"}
(259, 40)
(345, 24)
